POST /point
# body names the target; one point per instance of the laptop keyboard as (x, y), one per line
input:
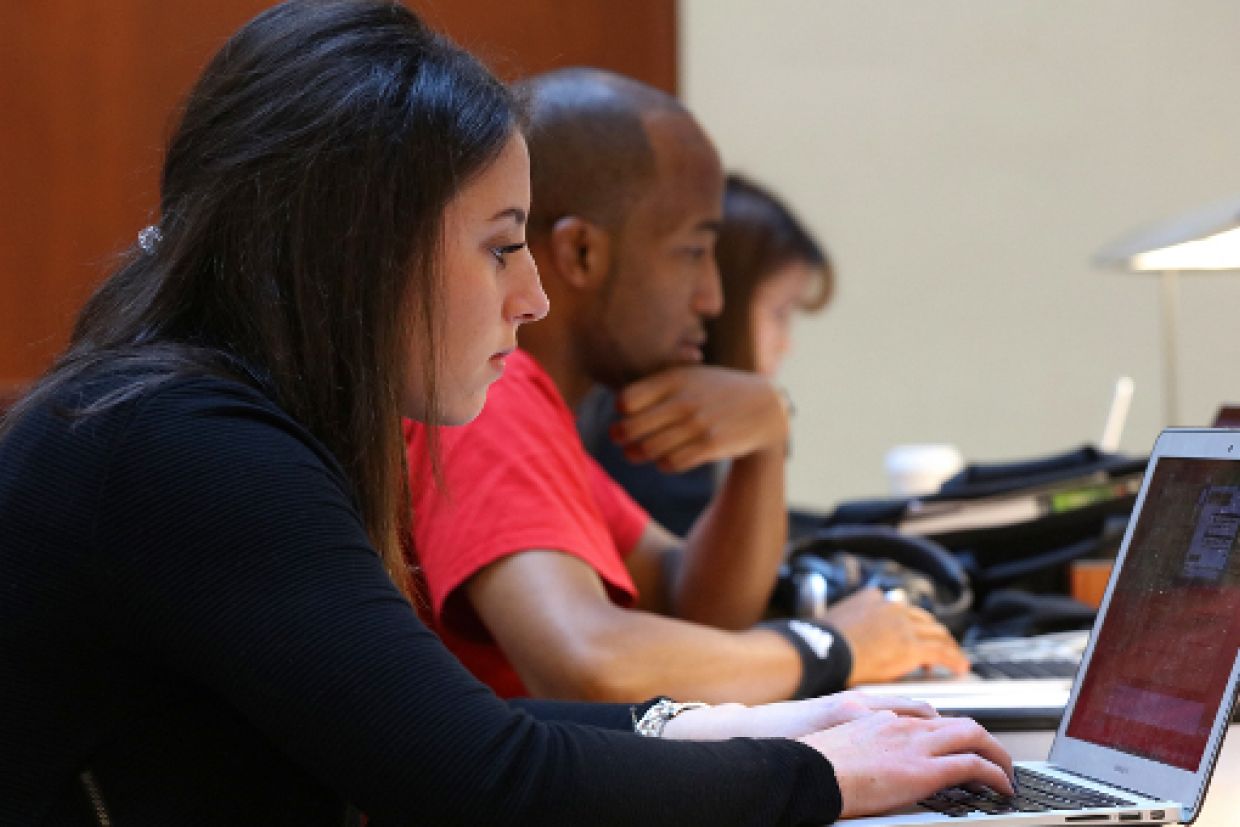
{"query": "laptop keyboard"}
(1035, 793)
(1014, 669)
(1055, 655)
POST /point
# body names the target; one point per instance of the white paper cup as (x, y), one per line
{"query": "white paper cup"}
(917, 470)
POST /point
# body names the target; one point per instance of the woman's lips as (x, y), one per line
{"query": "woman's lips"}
(498, 359)
(689, 350)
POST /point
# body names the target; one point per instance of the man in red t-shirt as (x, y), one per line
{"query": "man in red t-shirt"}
(544, 577)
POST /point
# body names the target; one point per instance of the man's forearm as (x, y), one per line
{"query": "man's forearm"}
(725, 576)
(643, 655)
(551, 615)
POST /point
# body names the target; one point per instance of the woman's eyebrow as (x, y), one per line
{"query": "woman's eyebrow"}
(517, 214)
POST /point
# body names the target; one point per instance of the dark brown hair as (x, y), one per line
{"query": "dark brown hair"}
(759, 236)
(301, 213)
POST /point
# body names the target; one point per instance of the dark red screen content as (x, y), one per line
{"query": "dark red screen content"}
(1165, 653)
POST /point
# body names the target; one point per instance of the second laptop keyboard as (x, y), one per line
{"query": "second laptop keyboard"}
(1055, 655)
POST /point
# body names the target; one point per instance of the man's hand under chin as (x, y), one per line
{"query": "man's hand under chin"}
(683, 417)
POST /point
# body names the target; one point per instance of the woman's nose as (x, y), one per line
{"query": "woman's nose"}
(530, 302)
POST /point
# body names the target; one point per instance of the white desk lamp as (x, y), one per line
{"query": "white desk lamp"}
(1203, 240)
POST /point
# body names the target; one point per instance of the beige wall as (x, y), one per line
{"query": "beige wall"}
(963, 160)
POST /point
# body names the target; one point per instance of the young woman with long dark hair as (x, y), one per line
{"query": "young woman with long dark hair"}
(203, 616)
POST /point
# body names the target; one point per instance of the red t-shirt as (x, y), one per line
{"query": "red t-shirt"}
(515, 478)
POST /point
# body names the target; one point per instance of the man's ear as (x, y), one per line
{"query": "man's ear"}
(581, 251)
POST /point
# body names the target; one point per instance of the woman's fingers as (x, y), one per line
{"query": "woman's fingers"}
(901, 706)
(977, 770)
(953, 736)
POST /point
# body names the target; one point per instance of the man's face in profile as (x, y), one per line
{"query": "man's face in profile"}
(664, 283)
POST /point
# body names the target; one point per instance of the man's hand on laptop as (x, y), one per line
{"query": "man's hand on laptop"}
(884, 761)
(787, 719)
(684, 417)
(889, 639)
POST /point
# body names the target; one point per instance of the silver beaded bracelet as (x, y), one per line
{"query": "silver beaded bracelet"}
(651, 724)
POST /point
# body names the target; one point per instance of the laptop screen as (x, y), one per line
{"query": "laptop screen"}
(1165, 650)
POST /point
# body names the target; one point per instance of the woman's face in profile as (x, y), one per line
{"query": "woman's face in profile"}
(776, 300)
(490, 288)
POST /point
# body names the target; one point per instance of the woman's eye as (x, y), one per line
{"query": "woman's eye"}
(505, 250)
(696, 253)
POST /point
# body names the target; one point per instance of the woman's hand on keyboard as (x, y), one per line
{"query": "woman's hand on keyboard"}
(884, 761)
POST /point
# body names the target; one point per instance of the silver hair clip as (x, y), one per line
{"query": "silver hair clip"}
(149, 238)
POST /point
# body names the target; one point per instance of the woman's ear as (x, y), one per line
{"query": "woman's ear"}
(581, 252)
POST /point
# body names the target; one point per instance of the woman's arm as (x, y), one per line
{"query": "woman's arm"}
(234, 557)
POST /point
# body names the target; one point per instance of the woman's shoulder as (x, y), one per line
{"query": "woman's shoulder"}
(119, 416)
(208, 418)
(176, 407)
(200, 400)
(91, 409)
(111, 392)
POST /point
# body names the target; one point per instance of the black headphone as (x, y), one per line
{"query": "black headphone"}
(834, 562)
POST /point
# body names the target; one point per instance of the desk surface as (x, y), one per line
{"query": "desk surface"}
(1222, 799)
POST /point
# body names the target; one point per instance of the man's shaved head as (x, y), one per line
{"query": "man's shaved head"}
(627, 196)
(590, 155)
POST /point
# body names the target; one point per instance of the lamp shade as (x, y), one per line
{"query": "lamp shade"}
(1204, 239)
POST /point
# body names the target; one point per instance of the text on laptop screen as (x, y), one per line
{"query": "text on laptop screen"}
(1164, 653)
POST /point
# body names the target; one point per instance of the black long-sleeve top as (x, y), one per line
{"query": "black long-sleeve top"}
(194, 629)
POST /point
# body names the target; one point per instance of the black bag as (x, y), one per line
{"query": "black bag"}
(1011, 525)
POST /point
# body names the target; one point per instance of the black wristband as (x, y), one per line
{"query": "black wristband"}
(826, 659)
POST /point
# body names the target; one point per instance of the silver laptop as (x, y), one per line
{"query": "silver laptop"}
(1150, 705)
(1019, 704)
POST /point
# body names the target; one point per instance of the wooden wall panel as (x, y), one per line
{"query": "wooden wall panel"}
(88, 91)
(524, 37)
